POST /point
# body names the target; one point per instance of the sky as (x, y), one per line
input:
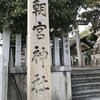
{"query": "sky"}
(81, 28)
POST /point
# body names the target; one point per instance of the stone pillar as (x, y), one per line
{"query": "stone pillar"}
(5, 52)
(95, 57)
(6, 44)
(68, 85)
(66, 60)
(56, 53)
(18, 51)
(51, 63)
(78, 47)
(73, 59)
(38, 74)
(60, 77)
(58, 86)
(26, 52)
(1, 77)
(83, 60)
(11, 59)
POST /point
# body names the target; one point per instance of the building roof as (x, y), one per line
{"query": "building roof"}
(85, 45)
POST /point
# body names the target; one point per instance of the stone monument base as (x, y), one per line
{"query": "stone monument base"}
(95, 60)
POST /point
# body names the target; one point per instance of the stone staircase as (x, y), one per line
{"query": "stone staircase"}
(85, 84)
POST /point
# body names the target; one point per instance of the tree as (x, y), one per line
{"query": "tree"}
(62, 14)
(90, 36)
(13, 15)
(92, 13)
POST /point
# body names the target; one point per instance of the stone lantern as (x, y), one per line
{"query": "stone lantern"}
(95, 57)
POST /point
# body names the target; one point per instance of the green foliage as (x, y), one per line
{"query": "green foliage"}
(91, 37)
(62, 14)
(13, 15)
(91, 3)
(92, 13)
(84, 33)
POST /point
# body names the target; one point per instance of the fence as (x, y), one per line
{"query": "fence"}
(60, 54)
(17, 61)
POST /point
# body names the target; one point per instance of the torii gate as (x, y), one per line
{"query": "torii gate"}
(79, 22)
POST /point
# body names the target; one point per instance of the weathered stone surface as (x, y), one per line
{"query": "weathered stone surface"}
(18, 70)
(5, 52)
(56, 52)
(1, 77)
(18, 51)
(38, 51)
(6, 44)
(58, 86)
(17, 87)
(95, 60)
(78, 47)
(85, 84)
(61, 86)
(61, 68)
(66, 60)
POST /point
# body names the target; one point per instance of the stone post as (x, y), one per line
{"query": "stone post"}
(60, 77)
(1, 77)
(5, 52)
(95, 57)
(58, 86)
(6, 44)
(61, 86)
(56, 53)
(26, 53)
(51, 54)
(73, 59)
(83, 60)
(11, 60)
(66, 61)
(38, 74)
(78, 47)
(18, 51)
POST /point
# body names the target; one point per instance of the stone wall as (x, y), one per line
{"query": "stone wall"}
(17, 87)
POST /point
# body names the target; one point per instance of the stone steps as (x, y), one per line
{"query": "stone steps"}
(86, 80)
(85, 84)
(86, 92)
(87, 97)
(85, 73)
